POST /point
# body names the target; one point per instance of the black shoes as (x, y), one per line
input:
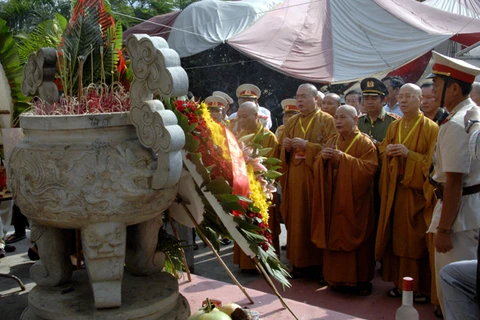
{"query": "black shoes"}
(225, 241)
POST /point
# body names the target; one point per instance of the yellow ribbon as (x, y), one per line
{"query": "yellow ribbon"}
(351, 143)
(409, 133)
(308, 125)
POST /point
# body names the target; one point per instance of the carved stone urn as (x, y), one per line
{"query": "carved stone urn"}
(110, 176)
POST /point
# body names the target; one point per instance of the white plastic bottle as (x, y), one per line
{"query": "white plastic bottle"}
(407, 311)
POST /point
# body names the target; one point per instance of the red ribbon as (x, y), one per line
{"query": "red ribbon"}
(241, 186)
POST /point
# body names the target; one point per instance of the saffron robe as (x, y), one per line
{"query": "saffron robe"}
(343, 218)
(240, 258)
(297, 185)
(401, 235)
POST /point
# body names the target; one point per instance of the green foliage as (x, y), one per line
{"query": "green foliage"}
(172, 248)
(47, 34)
(145, 9)
(89, 48)
(13, 70)
(22, 16)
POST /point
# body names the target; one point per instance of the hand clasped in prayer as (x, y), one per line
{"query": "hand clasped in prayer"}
(299, 143)
(397, 150)
(330, 153)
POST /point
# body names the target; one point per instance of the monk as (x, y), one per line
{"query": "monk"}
(250, 124)
(343, 217)
(406, 154)
(305, 135)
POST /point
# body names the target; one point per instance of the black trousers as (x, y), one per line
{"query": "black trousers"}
(20, 222)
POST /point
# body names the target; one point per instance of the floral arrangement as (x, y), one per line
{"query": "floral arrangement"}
(206, 146)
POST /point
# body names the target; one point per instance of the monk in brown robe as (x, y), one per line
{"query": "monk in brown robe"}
(343, 217)
(305, 135)
(406, 155)
(249, 124)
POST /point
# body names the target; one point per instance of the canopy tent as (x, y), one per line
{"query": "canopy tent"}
(321, 40)
(158, 26)
(468, 8)
(204, 24)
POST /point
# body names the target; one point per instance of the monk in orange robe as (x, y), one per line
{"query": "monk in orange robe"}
(249, 124)
(305, 135)
(343, 218)
(406, 155)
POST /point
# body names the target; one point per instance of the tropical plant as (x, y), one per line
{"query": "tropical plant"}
(47, 34)
(12, 71)
(22, 16)
(90, 50)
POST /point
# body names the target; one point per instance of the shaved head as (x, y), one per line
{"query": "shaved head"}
(346, 118)
(415, 89)
(335, 97)
(409, 100)
(310, 87)
(475, 93)
(350, 110)
(250, 106)
(247, 116)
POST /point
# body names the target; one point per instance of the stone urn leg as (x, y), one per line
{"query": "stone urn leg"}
(142, 258)
(54, 267)
(104, 253)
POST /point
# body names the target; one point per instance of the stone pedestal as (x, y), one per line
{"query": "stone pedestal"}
(157, 299)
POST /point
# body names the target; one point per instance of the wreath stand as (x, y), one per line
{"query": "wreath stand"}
(236, 235)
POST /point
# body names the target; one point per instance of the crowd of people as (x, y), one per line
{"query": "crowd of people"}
(388, 174)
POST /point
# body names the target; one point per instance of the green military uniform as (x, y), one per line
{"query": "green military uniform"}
(378, 128)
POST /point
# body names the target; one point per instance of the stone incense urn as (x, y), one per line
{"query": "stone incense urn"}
(109, 175)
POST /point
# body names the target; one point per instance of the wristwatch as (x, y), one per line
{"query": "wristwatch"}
(469, 124)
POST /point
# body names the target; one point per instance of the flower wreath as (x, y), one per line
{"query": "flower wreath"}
(206, 146)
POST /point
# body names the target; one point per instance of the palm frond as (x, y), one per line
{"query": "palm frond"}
(13, 70)
(91, 35)
(46, 35)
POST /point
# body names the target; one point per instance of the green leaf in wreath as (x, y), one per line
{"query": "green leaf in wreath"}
(272, 161)
(275, 168)
(261, 136)
(271, 174)
(184, 123)
(219, 186)
(233, 198)
(191, 145)
(192, 127)
(246, 225)
(264, 151)
(231, 206)
(247, 138)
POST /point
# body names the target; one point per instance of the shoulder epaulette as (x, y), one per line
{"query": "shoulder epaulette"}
(394, 115)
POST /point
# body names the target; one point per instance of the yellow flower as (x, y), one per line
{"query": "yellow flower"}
(257, 195)
(218, 134)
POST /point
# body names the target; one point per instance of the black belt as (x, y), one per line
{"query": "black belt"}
(465, 191)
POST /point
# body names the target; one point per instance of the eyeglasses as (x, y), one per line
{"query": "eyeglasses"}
(302, 96)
